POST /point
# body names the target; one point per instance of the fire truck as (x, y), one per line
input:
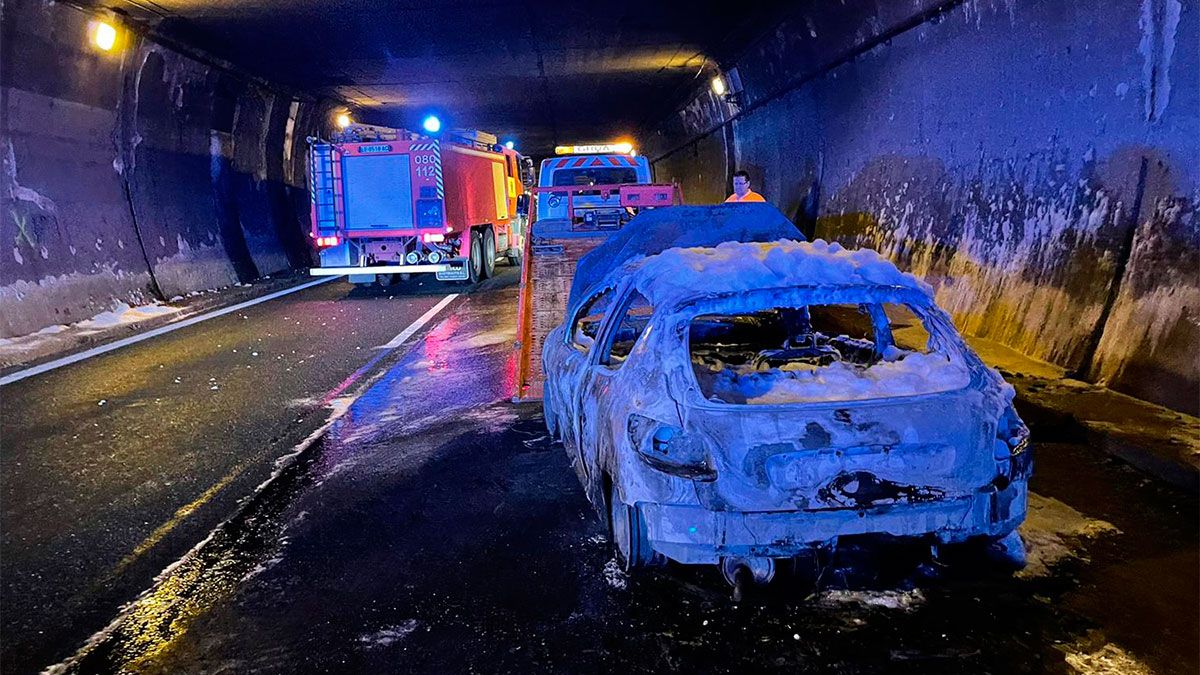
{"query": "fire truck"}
(388, 202)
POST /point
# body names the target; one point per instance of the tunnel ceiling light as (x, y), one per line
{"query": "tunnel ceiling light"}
(432, 124)
(343, 120)
(104, 35)
(718, 86)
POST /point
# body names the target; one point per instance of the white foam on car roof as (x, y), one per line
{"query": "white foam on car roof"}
(729, 267)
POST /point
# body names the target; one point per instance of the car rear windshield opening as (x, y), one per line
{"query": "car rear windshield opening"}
(820, 353)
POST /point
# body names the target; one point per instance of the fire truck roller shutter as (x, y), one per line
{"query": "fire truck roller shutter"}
(471, 187)
(511, 165)
(501, 191)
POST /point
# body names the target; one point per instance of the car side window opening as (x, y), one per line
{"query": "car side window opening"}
(738, 355)
(588, 319)
(634, 320)
(908, 331)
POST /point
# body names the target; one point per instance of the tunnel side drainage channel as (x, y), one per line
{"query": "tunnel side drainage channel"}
(213, 569)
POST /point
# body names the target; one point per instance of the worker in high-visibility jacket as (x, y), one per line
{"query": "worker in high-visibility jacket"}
(741, 189)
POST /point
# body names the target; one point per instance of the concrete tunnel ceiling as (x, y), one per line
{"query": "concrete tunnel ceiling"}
(547, 72)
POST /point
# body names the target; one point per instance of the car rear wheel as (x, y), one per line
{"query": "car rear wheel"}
(489, 253)
(627, 532)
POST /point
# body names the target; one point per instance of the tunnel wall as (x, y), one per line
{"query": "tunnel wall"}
(137, 175)
(1036, 161)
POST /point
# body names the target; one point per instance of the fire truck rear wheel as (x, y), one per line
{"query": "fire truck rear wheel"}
(475, 262)
(489, 253)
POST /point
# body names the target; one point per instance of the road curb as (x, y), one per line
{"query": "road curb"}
(1050, 424)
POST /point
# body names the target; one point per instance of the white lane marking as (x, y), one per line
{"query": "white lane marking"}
(416, 325)
(125, 342)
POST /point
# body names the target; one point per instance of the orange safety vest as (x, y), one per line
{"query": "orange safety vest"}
(751, 196)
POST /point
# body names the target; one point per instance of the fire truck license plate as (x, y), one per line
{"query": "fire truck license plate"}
(453, 274)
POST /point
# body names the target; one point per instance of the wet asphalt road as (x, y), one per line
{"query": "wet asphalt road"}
(437, 529)
(114, 467)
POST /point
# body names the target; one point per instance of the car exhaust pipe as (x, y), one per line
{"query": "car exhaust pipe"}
(743, 573)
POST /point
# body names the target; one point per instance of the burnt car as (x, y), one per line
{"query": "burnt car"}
(753, 400)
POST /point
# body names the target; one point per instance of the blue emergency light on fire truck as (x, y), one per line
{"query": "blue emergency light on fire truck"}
(389, 202)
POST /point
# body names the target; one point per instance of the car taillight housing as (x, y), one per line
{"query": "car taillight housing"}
(670, 449)
(1012, 436)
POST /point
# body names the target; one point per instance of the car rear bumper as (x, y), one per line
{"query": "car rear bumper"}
(696, 535)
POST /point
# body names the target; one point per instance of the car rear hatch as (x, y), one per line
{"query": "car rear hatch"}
(855, 454)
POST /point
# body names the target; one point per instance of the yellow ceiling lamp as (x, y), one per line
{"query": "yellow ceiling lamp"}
(103, 35)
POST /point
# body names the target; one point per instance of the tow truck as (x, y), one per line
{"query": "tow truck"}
(389, 202)
(581, 199)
